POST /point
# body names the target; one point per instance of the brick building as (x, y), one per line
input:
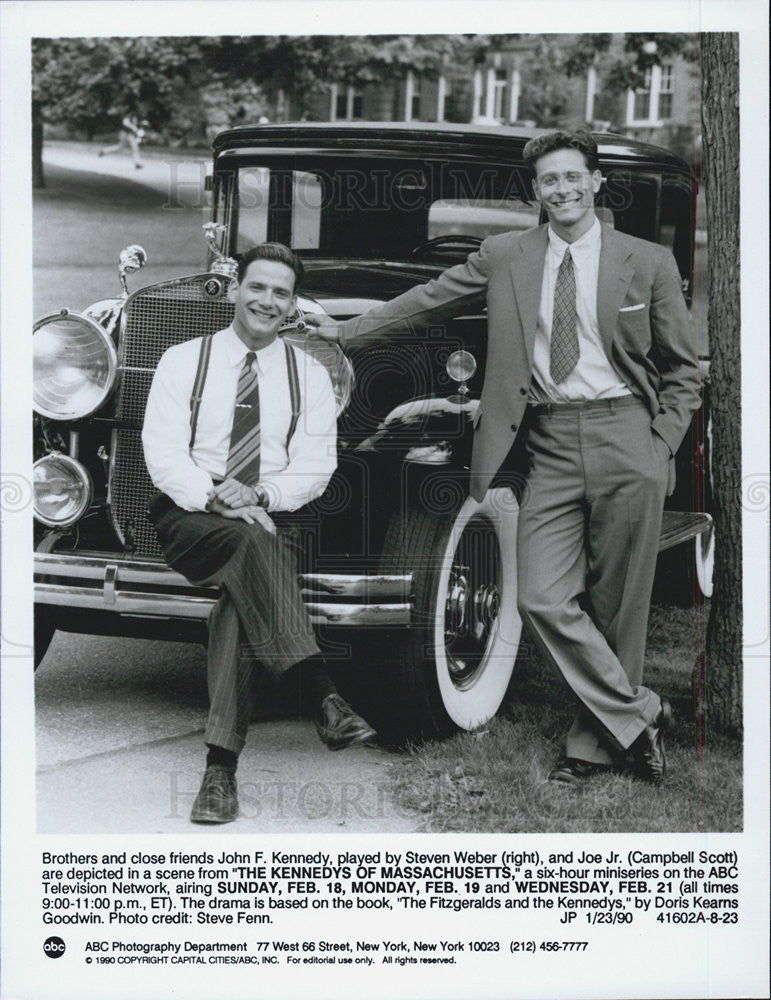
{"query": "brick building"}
(524, 83)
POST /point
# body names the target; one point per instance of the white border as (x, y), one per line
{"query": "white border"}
(698, 970)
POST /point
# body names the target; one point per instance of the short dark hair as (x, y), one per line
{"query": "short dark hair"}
(271, 251)
(579, 138)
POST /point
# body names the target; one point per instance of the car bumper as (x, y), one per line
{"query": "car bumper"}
(149, 589)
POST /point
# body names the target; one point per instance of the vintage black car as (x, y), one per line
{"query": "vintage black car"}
(398, 554)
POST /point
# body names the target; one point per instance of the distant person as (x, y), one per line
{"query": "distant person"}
(132, 132)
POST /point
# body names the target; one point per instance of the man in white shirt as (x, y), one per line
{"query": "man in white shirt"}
(239, 429)
(131, 135)
(592, 359)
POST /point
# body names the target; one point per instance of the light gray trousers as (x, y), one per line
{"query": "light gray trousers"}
(587, 545)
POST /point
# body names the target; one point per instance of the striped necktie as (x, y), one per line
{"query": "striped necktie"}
(244, 453)
(564, 329)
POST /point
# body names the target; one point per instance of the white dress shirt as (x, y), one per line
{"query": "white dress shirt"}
(594, 376)
(291, 477)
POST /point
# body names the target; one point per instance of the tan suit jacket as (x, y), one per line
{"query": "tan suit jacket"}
(652, 346)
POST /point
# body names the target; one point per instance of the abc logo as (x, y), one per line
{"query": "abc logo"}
(54, 947)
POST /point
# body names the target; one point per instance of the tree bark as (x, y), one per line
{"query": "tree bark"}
(38, 177)
(722, 679)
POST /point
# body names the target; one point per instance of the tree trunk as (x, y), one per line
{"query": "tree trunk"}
(722, 680)
(38, 178)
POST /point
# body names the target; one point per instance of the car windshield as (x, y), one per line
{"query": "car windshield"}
(371, 209)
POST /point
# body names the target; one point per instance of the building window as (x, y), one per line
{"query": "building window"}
(415, 98)
(666, 91)
(652, 103)
(500, 83)
(412, 97)
(642, 99)
(348, 102)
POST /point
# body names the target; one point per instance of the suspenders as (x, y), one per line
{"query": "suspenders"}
(294, 390)
(200, 380)
(204, 356)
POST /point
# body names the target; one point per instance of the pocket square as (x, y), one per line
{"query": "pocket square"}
(628, 309)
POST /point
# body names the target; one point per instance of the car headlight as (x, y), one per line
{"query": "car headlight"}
(328, 354)
(461, 366)
(74, 366)
(62, 490)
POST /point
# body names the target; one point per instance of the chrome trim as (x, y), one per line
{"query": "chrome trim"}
(110, 475)
(131, 258)
(107, 586)
(125, 602)
(110, 584)
(353, 615)
(112, 363)
(387, 588)
(81, 472)
(180, 606)
(680, 526)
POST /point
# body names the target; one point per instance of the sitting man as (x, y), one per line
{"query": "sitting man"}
(239, 428)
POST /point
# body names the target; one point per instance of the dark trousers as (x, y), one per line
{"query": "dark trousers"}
(587, 546)
(260, 614)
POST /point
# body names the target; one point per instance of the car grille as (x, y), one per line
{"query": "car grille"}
(154, 319)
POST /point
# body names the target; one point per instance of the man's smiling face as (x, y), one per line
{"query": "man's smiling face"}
(566, 189)
(263, 299)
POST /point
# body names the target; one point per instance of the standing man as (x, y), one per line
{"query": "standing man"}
(239, 429)
(591, 355)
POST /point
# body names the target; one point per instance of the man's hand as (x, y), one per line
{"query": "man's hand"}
(661, 447)
(250, 514)
(234, 494)
(323, 326)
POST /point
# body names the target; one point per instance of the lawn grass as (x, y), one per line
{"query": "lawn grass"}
(496, 779)
(81, 222)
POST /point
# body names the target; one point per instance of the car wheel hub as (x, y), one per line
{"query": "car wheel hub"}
(473, 602)
(457, 603)
(487, 602)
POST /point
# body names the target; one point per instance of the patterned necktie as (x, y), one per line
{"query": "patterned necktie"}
(244, 454)
(564, 330)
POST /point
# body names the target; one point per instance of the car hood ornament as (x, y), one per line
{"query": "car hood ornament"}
(221, 264)
(131, 258)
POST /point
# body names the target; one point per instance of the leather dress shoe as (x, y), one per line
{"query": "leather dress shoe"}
(572, 771)
(648, 749)
(339, 726)
(217, 801)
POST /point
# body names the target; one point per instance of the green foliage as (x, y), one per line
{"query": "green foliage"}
(187, 86)
(91, 83)
(391, 57)
(545, 85)
(642, 51)
(584, 52)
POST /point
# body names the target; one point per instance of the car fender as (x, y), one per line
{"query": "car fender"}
(431, 430)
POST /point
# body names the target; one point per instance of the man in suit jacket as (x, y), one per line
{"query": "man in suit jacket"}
(590, 349)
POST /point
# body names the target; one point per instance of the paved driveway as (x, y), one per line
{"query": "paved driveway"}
(119, 729)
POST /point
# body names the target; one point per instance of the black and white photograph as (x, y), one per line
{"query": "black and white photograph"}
(446, 585)
(394, 502)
